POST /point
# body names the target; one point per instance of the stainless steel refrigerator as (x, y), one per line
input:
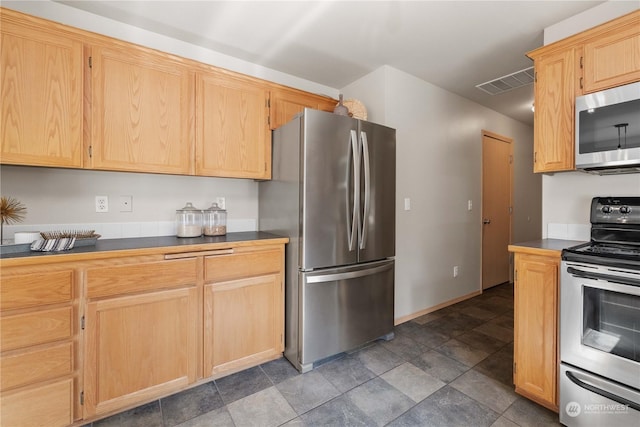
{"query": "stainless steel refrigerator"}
(333, 194)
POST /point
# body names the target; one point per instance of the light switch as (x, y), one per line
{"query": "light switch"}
(407, 204)
(469, 205)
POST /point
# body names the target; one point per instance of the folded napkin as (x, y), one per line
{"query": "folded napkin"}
(53, 245)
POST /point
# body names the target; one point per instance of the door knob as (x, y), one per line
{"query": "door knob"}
(486, 221)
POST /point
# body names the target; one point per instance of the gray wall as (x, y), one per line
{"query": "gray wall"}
(439, 148)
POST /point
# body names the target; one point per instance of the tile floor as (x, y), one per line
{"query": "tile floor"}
(447, 368)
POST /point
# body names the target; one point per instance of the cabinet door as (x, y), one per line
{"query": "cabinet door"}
(285, 104)
(232, 138)
(41, 89)
(612, 60)
(139, 347)
(536, 328)
(554, 92)
(243, 310)
(141, 111)
(243, 323)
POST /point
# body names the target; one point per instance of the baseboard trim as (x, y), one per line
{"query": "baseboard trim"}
(417, 314)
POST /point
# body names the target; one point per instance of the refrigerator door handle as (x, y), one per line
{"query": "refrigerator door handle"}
(367, 190)
(355, 177)
(349, 275)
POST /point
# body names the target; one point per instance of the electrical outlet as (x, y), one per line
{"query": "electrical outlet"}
(221, 202)
(456, 271)
(102, 204)
(126, 203)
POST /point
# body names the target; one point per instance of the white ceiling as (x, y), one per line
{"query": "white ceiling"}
(452, 44)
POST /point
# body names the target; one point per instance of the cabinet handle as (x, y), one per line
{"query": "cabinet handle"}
(581, 83)
(199, 253)
(581, 58)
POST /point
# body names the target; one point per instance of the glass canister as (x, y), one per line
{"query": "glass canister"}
(215, 221)
(189, 221)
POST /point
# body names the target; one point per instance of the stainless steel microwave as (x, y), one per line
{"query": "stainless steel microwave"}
(608, 130)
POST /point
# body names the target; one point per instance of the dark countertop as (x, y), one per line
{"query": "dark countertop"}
(141, 243)
(544, 246)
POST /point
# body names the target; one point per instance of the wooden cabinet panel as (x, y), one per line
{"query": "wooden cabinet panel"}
(237, 266)
(34, 328)
(139, 277)
(232, 133)
(554, 92)
(149, 340)
(30, 290)
(536, 328)
(243, 323)
(41, 89)
(141, 111)
(37, 365)
(285, 104)
(47, 405)
(613, 59)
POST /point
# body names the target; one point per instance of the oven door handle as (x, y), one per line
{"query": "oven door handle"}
(599, 276)
(601, 392)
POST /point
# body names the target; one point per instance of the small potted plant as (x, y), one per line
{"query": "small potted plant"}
(12, 211)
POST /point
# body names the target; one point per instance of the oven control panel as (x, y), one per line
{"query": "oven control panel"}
(615, 210)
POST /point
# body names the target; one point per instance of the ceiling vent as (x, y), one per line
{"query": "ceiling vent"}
(508, 82)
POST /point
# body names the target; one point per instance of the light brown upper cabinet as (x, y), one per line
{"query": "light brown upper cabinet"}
(232, 131)
(602, 57)
(41, 89)
(554, 96)
(140, 111)
(286, 103)
(71, 98)
(612, 59)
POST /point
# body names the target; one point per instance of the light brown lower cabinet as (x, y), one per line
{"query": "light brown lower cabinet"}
(38, 366)
(536, 328)
(80, 341)
(44, 405)
(139, 347)
(141, 328)
(243, 310)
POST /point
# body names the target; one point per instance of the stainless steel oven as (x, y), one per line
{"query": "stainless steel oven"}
(600, 319)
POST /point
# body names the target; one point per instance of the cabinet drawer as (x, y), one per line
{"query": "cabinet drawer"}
(30, 290)
(35, 328)
(49, 405)
(132, 278)
(34, 366)
(237, 266)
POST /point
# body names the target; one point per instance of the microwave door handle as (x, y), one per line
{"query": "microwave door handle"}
(601, 392)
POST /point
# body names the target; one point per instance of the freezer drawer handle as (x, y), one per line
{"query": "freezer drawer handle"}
(349, 275)
(602, 392)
